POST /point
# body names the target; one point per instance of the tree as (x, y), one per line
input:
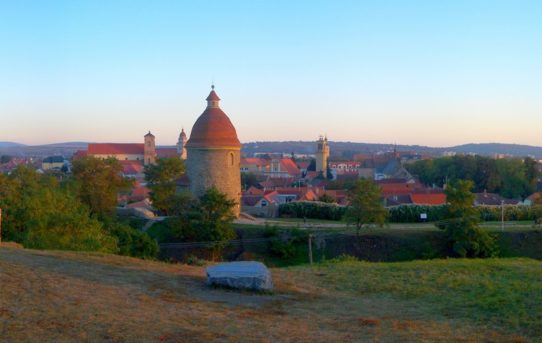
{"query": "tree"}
(461, 224)
(531, 174)
(366, 206)
(249, 180)
(327, 198)
(215, 218)
(312, 165)
(41, 214)
(98, 183)
(5, 159)
(162, 180)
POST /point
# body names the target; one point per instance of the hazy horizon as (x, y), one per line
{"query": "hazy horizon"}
(424, 73)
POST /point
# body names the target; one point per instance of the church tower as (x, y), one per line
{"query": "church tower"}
(322, 155)
(181, 145)
(149, 150)
(214, 153)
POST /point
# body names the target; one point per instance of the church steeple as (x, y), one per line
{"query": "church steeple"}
(181, 144)
(213, 99)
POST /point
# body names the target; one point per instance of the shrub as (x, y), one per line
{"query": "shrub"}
(312, 209)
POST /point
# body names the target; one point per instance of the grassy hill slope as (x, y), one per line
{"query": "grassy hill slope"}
(66, 296)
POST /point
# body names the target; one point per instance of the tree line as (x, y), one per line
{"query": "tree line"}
(511, 177)
(76, 212)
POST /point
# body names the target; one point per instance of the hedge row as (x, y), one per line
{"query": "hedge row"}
(406, 213)
(312, 209)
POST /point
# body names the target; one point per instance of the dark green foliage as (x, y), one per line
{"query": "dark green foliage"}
(161, 178)
(465, 237)
(312, 209)
(97, 183)
(312, 165)
(288, 244)
(215, 216)
(41, 214)
(132, 242)
(412, 213)
(511, 178)
(341, 184)
(208, 219)
(327, 199)
(366, 206)
(248, 180)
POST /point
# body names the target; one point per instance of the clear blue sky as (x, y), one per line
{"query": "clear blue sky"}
(413, 72)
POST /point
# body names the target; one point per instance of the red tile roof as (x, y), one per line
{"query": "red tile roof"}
(80, 154)
(115, 148)
(256, 161)
(213, 129)
(166, 152)
(428, 199)
(289, 166)
(131, 167)
(213, 96)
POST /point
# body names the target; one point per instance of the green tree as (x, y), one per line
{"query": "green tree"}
(461, 223)
(366, 206)
(98, 183)
(162, 180)
(249, 180)
(327, 198)
(312, 165)
(215, 218)
(41, 214)
(531, 174)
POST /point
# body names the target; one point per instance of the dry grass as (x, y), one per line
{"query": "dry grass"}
(73, 297)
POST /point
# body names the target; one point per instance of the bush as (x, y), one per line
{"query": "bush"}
(411, 213)
(288, 243)
(132, 242)
(312, 209)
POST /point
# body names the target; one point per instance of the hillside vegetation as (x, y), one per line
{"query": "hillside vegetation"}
(69, 296)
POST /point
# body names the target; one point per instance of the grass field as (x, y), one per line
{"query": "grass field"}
(65, 297)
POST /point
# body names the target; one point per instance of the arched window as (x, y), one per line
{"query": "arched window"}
(232, 159)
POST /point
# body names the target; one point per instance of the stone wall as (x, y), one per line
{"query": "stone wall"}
(207, 167)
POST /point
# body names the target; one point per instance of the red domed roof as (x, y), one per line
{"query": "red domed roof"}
(213, 128)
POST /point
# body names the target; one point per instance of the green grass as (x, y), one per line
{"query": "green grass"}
(62, 296)
(500, 293)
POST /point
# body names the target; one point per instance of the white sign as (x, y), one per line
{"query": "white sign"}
(423, 215)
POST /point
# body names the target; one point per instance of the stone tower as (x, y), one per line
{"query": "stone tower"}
(149, 149)
(214, 153)
(181, 145)
(322, 154)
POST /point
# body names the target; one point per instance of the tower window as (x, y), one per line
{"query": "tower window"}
(232, 159)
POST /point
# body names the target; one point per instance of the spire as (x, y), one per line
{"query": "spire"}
(212, 99)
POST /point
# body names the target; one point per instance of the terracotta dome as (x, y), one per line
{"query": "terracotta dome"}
(213, 128)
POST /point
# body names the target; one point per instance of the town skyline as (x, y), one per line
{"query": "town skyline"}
(431, 74)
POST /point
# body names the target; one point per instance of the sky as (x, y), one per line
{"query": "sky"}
(437, 73)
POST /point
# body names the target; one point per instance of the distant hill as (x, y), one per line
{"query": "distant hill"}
(348, 149)
(338, 149)
(499, 148)
(9, 144)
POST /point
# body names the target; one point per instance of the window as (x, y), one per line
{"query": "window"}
(232, 159)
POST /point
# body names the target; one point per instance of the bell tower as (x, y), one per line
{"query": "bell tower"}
(181, 145)
(149, 150)
(322, 154)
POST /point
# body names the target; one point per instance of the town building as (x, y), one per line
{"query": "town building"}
(53, 162)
